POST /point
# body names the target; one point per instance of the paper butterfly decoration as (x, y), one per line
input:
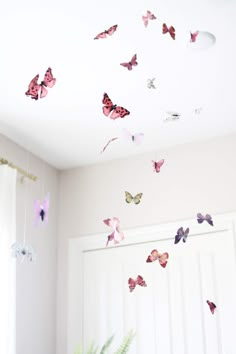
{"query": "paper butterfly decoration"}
(181, 234)
(138, 281)
(172, 116)
(135, 138)
(171, 30)
(162, 258)
(116, 234)
(117, 111)
(34, 87)
(150, 83)
(157, 165)
(212, 306)
(193, 36)
(131, 63)
(198, 110)
(207, 217)
(149, 16)
(109, 141)
(21, 251)
(108, 32)
(41, 210)
(136, 199)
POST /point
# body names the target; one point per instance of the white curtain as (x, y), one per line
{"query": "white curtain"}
(7, 263)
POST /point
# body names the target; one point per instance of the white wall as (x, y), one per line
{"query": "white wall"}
(36, 283)
(195, 177)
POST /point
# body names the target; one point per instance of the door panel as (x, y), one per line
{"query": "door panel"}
(170, 315)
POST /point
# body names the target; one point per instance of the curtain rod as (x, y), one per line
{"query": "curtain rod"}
(20, 170)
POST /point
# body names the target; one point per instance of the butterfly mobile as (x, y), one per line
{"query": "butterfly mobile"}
(41, 210)
(109, 107)
(181, 234)
(116, 234)
(162, 258)
(108, 32)
(131, 63)
(171, 30)
(149, 16)
(172, 116)
(207, 217)
(136, 138)
(193, 36)
(212, 306)
(23, 251)
(197, 110)
(157, 165)
(150, 83)
(136, 199)
(138, 281)
(34, 87)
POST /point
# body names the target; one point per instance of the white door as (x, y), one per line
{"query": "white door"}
(170, 315)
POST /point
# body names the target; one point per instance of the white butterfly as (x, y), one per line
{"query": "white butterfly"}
(172, 116)
(135, 138)
(150, 83)
(21, 251)
(198, 110)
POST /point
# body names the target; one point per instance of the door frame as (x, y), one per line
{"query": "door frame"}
(79, 245)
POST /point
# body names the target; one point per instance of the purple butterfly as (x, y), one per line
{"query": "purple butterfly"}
(181, 234)
(41, 210)
(207, 217)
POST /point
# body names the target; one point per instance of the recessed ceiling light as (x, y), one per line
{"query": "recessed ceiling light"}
(201, 40)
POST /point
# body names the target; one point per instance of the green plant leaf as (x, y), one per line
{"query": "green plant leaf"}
(79, 350)
(90, 349)
(106, 345)
(124, 347)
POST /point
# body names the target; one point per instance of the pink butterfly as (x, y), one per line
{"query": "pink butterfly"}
(108, 32)
(131, 63)
(212, 306)
(41, 210)
(162, 258)
(116, 234)
(149, 16)
(139, 281)
(117, 111)
(109, 141)
(157, 165)
(193, 36)
(171, 30)
(135, 138)
(34, 87)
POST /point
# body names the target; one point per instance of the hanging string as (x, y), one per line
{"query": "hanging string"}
(26, 194)
(43, 179)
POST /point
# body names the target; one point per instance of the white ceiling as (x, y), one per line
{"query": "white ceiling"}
(67, 128)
